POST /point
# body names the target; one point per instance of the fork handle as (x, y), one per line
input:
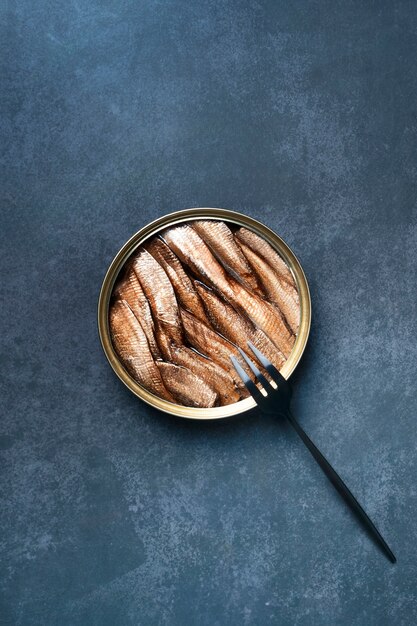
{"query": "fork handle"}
(341, 487)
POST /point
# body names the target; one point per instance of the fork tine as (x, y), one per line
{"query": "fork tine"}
(271, 369)
(255, 370)
(249, 384)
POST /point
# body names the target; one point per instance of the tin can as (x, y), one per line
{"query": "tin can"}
(153, 229)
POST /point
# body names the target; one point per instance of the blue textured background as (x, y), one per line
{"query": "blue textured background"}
(304, 116)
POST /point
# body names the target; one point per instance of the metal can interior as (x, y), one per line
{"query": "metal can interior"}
(149, 231)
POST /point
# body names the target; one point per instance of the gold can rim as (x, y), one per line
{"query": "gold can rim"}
(152, 229)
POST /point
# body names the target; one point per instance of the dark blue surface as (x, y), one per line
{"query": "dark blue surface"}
(302, 115)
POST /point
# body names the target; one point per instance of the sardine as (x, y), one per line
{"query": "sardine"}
(203, 366)
(130, 290)
(162, 311)
(237, 328)
(195, 254)
(275, 288)
(265, 316)
(266, 252)
(162, 300)
(183, 287)
(211, 344)
(186, 387)
(220, 240)
(132, 346)
(209, 371)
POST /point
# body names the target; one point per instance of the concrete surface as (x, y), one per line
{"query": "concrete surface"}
(302, 115)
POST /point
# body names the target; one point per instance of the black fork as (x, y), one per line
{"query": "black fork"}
(277, 396)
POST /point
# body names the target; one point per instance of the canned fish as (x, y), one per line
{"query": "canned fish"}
(184, 293)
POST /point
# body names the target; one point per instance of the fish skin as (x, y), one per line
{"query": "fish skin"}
(266, 252)
(162, 300)
(183, 287)
(186, 387)
(131, 344)
(265, 316)
(211, 344)
(130, 290)
(194, 252)
(218, 236)
(209, 371)
(213, 373)
(275, 289)
(237, 328)
(206, 377)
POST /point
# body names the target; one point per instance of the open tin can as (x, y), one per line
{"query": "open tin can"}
(174, 219)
